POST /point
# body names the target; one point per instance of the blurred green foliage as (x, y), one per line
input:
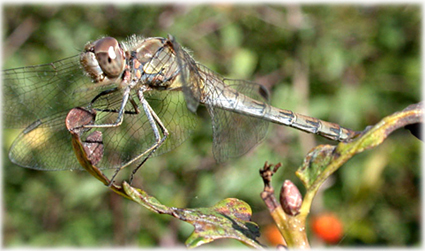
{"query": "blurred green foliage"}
(347, 64)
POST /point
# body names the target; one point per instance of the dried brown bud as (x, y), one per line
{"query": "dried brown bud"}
(290, 198)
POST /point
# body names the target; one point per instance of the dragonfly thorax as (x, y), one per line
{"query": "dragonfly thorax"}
(148, 48)
(153, 62)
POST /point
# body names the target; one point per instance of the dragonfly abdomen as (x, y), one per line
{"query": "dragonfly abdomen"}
(326, 129)
(234, 101)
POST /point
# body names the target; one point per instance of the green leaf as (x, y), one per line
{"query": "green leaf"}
(229, 218)
(324, 160)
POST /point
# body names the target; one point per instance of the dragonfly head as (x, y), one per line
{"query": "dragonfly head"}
(103, 58)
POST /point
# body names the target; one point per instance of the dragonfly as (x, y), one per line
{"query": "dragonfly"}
(145, 92)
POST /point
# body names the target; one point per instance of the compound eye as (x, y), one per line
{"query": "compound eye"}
(110, 56)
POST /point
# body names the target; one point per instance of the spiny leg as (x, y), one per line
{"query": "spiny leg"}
(103, 93)
(120, 117)
(153, 119)
(164, 132)
(133, 103)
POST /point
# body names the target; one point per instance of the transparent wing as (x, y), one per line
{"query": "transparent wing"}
(234, 134)
(190, 76)
(36, 92)
(46, 145)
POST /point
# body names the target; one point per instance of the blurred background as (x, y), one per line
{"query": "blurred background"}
(348, 64)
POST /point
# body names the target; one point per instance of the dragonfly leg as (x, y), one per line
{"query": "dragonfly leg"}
(133, 103)
(164, 132)
(120, 117)
(104, 93)
(153, 121)
(110, 91)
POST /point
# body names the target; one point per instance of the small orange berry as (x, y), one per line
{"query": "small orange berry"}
(328, 227)
(273, 235)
